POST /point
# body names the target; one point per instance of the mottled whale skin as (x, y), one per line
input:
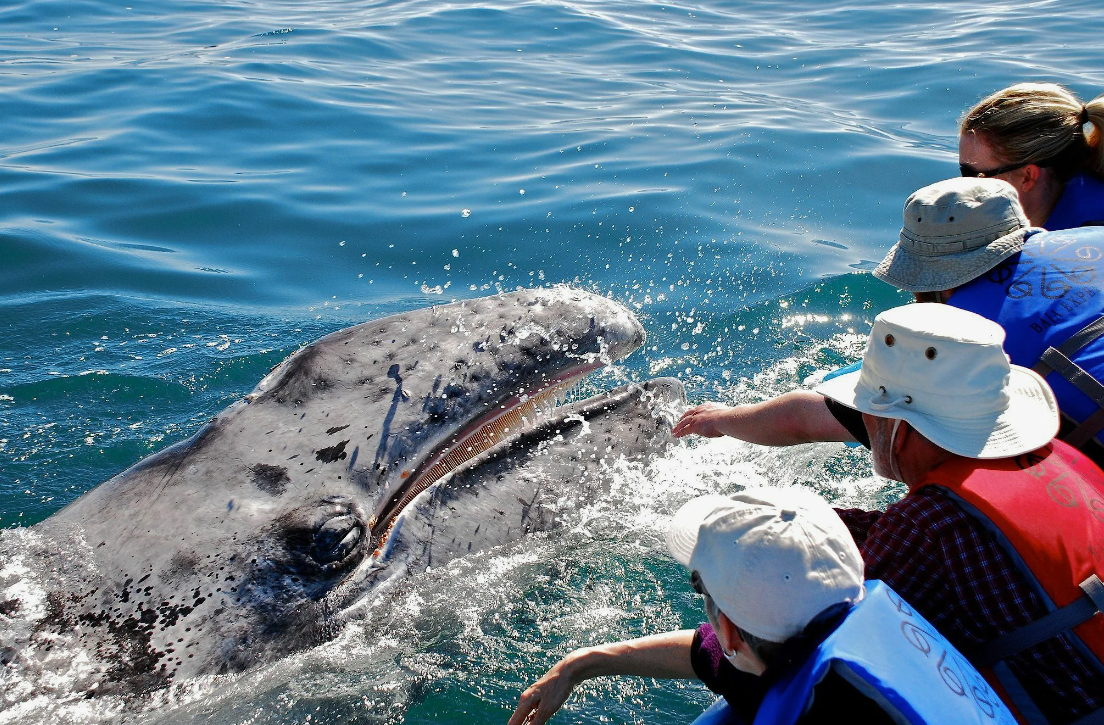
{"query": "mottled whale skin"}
(530, 483)
(262, 533)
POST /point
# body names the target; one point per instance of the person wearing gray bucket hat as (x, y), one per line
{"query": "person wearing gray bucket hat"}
(954, 231)
(1041, 287)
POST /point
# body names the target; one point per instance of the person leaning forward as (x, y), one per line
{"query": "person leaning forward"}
(793, 636)
(967, 242)
(1001, 525)
(1045, 142)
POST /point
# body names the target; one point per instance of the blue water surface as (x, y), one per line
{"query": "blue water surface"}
(191, 190)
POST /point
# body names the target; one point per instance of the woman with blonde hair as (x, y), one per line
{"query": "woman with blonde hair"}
(1045, 142)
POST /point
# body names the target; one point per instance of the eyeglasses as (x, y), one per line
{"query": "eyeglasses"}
(710, 606)
(968, 170)
(696, 583)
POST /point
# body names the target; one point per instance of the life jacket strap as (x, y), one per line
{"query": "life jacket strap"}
(993, 653)
(1057, 359)
(1042, 629)
(1094, 588)
(1096, 717)
(1082, 337)
(1029, 712)
(1086, 430)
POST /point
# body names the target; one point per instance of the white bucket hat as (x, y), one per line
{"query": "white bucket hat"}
(771, 558)
(943, 370)
(954, 231)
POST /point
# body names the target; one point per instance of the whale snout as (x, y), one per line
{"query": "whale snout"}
(594, 323)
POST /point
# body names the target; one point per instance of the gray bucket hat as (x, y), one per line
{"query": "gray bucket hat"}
(954, 231)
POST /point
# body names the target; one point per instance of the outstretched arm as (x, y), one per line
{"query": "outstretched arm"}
(800, 416)
(660, 655)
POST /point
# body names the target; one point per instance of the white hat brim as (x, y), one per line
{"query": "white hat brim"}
(682, 533)
(1029, 422)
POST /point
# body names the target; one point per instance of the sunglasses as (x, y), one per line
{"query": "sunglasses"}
(710, 607)
(696, 583)
(698, 586)
(968, 170)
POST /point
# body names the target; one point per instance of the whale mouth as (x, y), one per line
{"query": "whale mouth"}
(506, 420)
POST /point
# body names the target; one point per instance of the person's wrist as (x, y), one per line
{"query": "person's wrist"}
(578, 664)
(726, 419)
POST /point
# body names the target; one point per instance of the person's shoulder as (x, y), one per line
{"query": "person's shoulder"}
(1089, 183)
(928, 507)
(834, 696)
(1081, 204)
(926, 522)
(1082, 187)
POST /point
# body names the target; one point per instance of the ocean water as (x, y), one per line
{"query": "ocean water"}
(190, 190)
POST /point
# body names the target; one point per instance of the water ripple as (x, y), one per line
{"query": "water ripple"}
(190, 189)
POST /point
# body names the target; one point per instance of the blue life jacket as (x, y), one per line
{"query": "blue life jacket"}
(1081, 204)
(891, 654)
(844, 370)
(719, 713)
(1049, 300)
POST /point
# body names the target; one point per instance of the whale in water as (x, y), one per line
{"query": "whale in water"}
(375, 452)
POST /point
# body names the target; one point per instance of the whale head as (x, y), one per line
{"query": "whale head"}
(259, 535)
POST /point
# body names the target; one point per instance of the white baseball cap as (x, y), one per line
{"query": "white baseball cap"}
(943, 370)
(771, 558)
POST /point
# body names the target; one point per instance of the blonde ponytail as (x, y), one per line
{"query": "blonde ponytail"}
(1041, 123)
(1094, 114)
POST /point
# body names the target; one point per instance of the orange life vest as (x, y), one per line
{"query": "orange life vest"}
(1046, 508)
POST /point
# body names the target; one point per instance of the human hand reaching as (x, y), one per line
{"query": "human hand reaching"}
(543, 698)
(704, 420)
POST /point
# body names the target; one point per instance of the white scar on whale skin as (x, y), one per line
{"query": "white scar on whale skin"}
(579, 419)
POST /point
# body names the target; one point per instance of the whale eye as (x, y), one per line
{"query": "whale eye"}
(337, 538)
(330, 533)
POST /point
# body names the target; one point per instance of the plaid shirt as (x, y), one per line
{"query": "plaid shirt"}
(955, 573)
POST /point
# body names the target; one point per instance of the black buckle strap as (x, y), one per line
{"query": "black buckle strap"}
(1082, 337)
(1057, 359)
(1054, 359)
(1086, 430)
(1072, 346)
(1042, 629)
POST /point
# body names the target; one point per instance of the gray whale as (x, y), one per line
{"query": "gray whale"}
(375, 452)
